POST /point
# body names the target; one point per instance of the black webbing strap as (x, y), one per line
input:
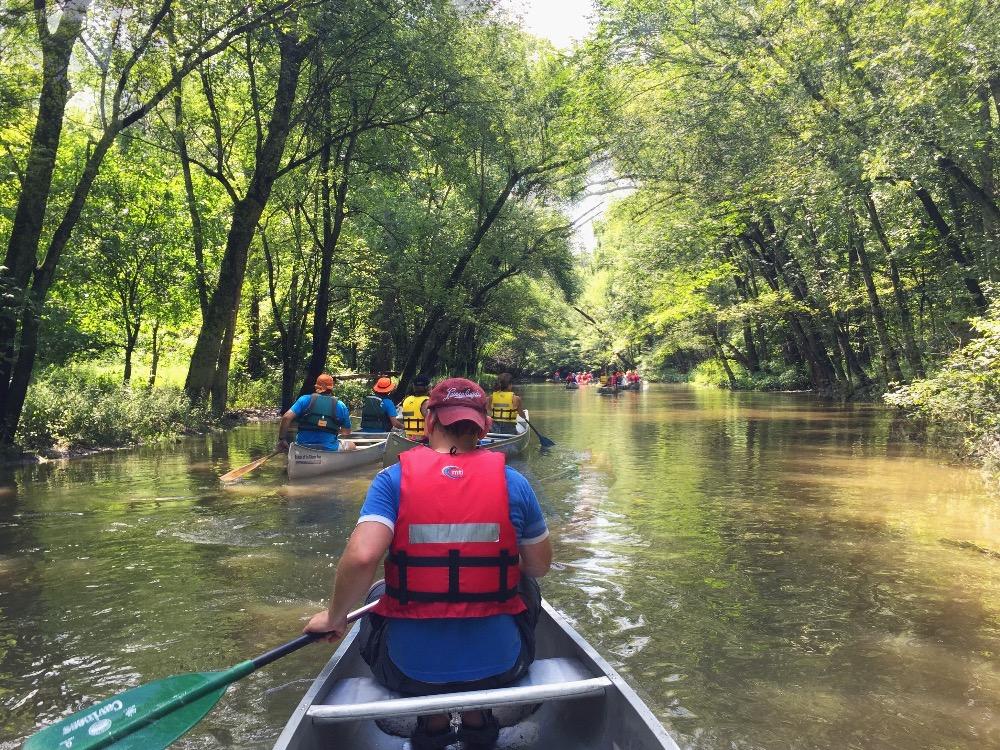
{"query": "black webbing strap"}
(454, 562)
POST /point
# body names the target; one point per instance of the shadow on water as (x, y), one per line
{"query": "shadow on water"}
(771, 571)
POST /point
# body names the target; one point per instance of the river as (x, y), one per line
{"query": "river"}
(769, 571)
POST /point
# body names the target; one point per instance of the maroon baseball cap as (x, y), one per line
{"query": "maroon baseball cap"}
(457, 399)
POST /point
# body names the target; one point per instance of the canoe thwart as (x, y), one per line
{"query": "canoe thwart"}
(357, 698)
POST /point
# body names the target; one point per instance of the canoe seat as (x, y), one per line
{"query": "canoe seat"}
(356, 698)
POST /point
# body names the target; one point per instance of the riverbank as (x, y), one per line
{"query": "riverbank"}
(229, 420)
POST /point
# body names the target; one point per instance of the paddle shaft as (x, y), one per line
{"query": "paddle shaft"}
(304, 640)
(122, 717)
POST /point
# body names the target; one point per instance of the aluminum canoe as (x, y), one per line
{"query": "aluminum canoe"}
(571, 699)
(304, 462)
(507, 444)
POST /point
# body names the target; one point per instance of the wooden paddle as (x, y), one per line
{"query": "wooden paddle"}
(237, 473)
(153, 716)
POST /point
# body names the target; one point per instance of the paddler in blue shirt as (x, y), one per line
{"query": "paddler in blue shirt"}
(440, 500)
(322, 419)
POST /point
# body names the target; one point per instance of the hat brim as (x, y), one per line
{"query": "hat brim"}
(450, 414)
(388, 389)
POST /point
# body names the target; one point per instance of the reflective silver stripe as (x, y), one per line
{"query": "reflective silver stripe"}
(454, 533)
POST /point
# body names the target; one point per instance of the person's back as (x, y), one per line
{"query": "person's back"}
(378, 412)
(505, 405)
(414, 408)
(450, 501)
(322, 419)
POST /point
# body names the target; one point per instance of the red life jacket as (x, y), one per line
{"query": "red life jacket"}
(454, 550)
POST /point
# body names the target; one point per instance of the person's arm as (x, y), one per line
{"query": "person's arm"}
(355, 575)
(390, 411)
(517, 405)
(286, 421)
(536, 559)
(344, 415)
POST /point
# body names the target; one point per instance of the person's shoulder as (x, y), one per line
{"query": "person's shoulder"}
(516, 480)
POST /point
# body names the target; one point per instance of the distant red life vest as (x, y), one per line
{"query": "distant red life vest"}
(454, 550)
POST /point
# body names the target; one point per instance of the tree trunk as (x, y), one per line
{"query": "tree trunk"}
(333, 224)
(954, 247)
(905, 321)
(154, 365)
(209, 363)
(21, 258)
(808, 344)
(890, 361)
(197, 234)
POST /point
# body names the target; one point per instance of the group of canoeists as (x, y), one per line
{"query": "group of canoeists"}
(324, 421)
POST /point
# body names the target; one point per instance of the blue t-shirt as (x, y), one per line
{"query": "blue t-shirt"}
(318, 438)
(462, 648)
(389, 407)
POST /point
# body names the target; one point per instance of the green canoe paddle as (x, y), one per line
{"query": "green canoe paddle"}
(151, 717)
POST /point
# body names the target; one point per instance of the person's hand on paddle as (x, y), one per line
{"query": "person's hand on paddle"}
(282, 444)
(322, 622)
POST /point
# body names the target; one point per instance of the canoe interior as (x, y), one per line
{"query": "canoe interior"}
(616, 719)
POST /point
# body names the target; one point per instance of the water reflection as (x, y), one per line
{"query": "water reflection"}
(770, 571)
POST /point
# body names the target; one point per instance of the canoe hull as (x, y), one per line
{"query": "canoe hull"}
(304, 462)
(509, 445)
(614, 718)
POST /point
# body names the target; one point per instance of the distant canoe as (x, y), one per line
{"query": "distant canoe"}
(606, 390)
(305, 462)
(507, 444)
(572, 386)
(570, 699)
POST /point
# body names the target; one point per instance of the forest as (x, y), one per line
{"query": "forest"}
(204, 206)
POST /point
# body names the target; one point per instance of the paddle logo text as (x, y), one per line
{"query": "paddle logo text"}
(453, 472)
(97, 715)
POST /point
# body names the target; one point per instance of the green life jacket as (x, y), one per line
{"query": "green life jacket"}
(321, 415)
(372, 416)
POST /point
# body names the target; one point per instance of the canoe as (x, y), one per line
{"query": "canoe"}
(606, 390)
(306, 462)
(507, 444)
(572, 386)
(571, 699)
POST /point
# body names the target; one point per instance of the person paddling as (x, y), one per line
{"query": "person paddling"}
(505, 405)
(414, 408)
(322, 419)
(378, 413)
(433, 632)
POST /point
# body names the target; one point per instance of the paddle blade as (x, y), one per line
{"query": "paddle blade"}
(546, 443)
(149, 717)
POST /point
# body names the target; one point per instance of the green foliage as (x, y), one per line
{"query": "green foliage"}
(247, 393)
(77, 409)
(963, 398)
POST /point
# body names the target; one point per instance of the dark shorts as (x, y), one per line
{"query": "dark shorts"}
(373, 645)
